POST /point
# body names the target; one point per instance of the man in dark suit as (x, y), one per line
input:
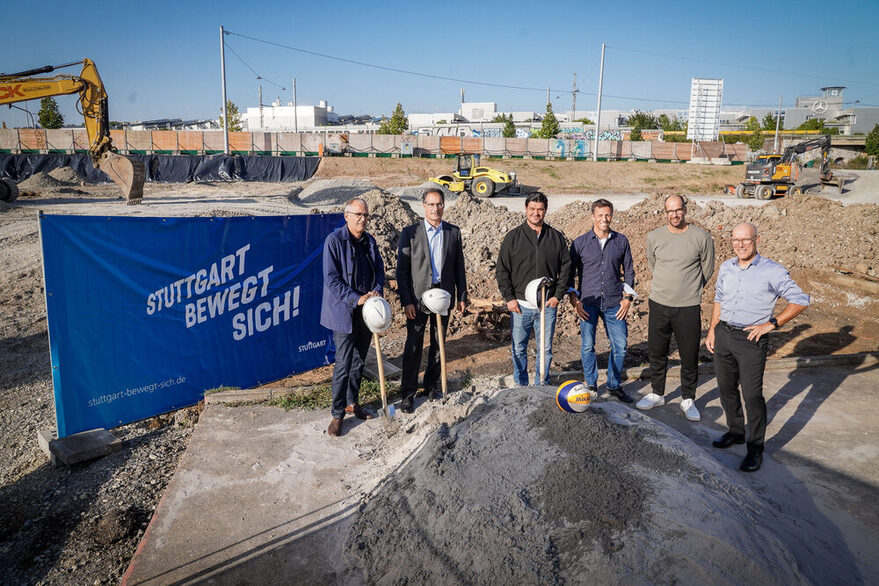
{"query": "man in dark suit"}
(430, 255)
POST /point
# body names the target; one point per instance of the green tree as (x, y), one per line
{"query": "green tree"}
(635, 135)
(398, 123)
(509, 128)
(235, 119)
(50, 116)
(642, 120)
(755, 141)
(871, 143)
(752, 125)
(817, 124)
(669, 124)
(442, 121)
(769, 122)
(550, 126)
(584, 121)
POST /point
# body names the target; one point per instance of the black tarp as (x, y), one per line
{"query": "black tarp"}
(171, 168)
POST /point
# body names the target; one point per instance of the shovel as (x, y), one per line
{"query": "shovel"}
(442, 349)
(542, 374)
(388, 411)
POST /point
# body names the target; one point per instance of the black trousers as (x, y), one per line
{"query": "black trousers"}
(351, 350)
(686, 324)
(412, 353)
(739, 361)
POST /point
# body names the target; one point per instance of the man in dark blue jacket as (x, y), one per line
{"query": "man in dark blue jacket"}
(353, 272)
(599, 259)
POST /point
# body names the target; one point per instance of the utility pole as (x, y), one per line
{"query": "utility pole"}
(223, 77)
(295, 110)
(777, 125)
(547, 95)
(598, 113)
(574, 99)
(261, 126)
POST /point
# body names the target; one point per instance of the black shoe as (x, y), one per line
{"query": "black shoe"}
(752, 462)
(406, 405)
(435, 395)
(621, 395)
(728, 439)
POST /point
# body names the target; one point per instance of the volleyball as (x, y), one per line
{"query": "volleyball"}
(573, 396)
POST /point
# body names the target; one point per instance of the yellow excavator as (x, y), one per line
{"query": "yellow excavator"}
(129, 174)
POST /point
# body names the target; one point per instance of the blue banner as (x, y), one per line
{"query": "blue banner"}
(145, 314)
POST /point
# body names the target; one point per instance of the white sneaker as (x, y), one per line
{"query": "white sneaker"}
(650, 401)
(689, 409)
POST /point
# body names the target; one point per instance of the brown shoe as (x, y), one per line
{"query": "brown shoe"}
(359, 412)
(335, 428)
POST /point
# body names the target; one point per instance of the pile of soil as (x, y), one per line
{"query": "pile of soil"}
(68, 175)
(520, 492)
(41, 181)
(334, 191)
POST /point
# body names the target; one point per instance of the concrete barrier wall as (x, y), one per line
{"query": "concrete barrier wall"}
(59, 140)
(194, 141)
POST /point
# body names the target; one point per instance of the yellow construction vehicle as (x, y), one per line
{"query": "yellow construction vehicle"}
(779, 174)
(128, 174)
(479, 181)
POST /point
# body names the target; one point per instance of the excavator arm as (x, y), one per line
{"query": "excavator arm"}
(128, 174)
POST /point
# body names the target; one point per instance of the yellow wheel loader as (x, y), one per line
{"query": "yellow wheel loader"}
(128, 174)
(478, 180)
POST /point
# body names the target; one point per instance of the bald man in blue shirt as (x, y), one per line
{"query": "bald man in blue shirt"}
(747, 288)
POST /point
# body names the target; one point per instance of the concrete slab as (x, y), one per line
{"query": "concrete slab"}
(79, 447)
(264, 496)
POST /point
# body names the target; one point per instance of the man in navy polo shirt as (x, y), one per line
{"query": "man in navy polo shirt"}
(747, 288)
(601, 263)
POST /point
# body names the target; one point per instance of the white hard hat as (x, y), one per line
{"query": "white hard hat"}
(437, 301)
(377, 314)
(532, 290)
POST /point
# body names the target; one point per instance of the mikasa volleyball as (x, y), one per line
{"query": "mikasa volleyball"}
(574, 397)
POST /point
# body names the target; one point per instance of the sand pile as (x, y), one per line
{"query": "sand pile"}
(334, 191)
(40, 181)
(521, 492)
(67, 175)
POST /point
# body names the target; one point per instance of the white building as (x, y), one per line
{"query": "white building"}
(287, 118)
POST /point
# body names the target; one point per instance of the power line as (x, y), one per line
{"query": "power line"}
(443, 77)
(258, 76)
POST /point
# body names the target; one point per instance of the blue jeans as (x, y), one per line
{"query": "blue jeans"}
(617, 333)
(523, 324)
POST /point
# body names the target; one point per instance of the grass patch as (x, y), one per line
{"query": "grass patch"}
(551, 171)
(220, 389)
(321, 396)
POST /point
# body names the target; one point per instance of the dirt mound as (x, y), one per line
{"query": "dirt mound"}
(334, 191)
(40, 181)
(483, 226)
(521, 492)
(67, 175)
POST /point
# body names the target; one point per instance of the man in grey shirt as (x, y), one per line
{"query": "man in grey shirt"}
(747, 288)
(681, 258)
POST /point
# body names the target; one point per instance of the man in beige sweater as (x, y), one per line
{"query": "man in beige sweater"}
(681, 258)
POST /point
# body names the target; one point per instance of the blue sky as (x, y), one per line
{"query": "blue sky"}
(161, 59)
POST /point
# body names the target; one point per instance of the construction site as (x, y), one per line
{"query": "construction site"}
(494, 483)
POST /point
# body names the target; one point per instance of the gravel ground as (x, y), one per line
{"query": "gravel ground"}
(81, 524)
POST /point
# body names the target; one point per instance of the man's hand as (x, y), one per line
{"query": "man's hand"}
(461, 306)
(410, 311)
(623, 311)
(513, 306)
(363, 298)
(709, 340)
(758, 331)
(581, 311)
(552, 302)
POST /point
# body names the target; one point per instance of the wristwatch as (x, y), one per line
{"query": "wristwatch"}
(774, 322)
(628, 297)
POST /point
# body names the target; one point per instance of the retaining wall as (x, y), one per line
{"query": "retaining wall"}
(197, 142)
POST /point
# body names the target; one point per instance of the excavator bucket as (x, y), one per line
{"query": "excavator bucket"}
(128, 174)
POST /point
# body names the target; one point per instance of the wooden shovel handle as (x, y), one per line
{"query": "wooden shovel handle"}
(442, 349)
(381, 372)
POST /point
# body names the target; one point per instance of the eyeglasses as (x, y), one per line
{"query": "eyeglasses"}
(435, 205)
(359, 215)
(677, 211)
(741, 241)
